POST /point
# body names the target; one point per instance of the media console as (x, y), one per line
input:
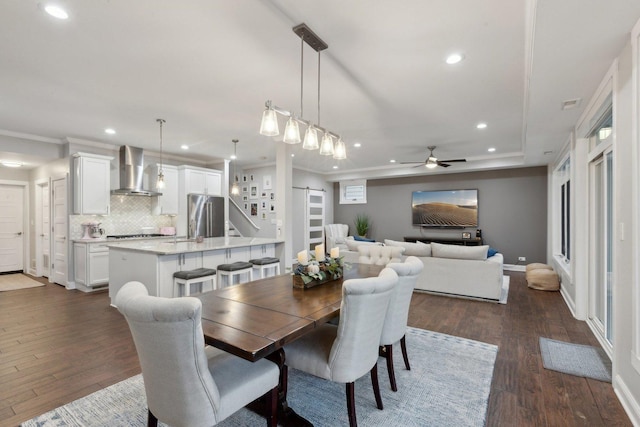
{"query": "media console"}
(473, 241)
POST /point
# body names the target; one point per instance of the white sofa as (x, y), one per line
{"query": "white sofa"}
(457, 270)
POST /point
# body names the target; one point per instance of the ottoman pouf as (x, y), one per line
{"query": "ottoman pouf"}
(543, 280)
(538, 266)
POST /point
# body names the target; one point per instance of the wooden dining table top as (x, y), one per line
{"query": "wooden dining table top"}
(255, 319)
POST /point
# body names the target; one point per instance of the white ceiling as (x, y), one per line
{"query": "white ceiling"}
(207, 67)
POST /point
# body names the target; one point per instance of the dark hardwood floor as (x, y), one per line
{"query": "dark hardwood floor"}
(58, 345)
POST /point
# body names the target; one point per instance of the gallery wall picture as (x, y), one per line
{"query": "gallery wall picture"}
(245, 178)
(266, 182)
(272, 196)
(263, 194)
(245, 188)
(264, 215)
(246, 206)
(254, 209)
(272, 207)
(253, 192)
(263, 205)
(245, 198)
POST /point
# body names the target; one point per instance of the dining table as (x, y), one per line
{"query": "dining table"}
(256, 319)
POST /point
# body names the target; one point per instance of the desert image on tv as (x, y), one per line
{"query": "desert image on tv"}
(458, 211)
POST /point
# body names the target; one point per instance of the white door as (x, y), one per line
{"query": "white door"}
(59, 219)
(11, 228)
(314, 219)
(43, 229)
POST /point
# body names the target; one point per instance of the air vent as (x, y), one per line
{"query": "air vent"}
(571, 103)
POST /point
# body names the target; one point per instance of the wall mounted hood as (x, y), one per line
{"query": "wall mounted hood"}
(132, 172)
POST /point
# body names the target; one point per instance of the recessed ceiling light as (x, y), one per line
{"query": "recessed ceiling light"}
(357, 145)
(335, 167)
(110, 131)
(392, 161)
(11, 163)
(570, 103)
(491, 150)
(293, 155)
(56, 11)
(184, 146)
(481, 125)
(454, 58)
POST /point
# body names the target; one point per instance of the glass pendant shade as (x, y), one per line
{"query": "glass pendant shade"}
(235, 188)
(431, 163)
(326, 147)
(310, 139)
(160, 181)
(339, 151)
(292, 132)
(269, 124)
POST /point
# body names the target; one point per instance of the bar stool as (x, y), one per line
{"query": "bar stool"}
(266, 263)
(233, 270)
(186, 278)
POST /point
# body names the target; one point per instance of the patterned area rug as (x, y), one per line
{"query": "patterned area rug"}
(12, 282)
(448, 385)
(575, 359)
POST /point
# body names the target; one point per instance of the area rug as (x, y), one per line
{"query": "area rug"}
(504, 293)
(12, 282)
(575, 359)
(448, 385)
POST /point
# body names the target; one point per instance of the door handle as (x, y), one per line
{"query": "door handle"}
(19, 233)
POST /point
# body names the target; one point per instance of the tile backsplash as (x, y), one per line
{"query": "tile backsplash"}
(128, 215)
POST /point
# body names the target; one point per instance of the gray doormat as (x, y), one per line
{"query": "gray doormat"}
(575, 359)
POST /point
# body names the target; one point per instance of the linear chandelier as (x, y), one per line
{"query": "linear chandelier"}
(269, 124)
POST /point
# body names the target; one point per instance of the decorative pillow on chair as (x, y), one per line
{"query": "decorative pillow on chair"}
(411, 249)
(459, 252)
(491, 252)
(353, 244)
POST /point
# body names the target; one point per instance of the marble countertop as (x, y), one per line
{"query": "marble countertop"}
(168, 247)
(112, 240)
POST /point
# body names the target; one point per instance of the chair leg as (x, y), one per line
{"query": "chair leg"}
(376, 386)
(351, 404)
(403, 344)
(392, 373)
(152, 421)
(272, 404)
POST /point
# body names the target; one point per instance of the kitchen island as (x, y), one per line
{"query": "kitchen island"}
(154, 262)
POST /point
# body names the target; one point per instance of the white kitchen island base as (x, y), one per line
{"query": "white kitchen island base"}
(153, 263)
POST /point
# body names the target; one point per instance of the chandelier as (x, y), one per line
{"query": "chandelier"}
(160, 179)
(235, 188)
(269, 124)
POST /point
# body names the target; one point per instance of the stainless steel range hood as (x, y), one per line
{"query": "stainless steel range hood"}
(132, 172)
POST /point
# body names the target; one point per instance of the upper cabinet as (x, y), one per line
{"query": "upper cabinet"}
(167, 204)
(200, 180)
(91, 184)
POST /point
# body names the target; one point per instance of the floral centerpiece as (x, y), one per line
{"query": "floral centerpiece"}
(317, 269)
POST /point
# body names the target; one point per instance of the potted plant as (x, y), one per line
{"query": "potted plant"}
(362, 223)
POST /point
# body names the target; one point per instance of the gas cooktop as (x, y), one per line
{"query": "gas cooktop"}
(134, 236)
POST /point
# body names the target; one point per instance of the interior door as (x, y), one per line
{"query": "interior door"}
(59, 219)
(314, 219)
(11, 228)
(43, 229)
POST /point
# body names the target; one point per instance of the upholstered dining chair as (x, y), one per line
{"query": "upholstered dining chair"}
(379, 255)
(186, 383)
(346, 352)
(395, 323)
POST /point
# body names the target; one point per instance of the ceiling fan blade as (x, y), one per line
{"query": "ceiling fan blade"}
(454, 160)
(411, 163)
(444, 165)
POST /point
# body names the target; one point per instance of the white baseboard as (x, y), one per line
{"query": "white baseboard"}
(630, 405)
(514, 267)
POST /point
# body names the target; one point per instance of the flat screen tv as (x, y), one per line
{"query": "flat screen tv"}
(445, 208)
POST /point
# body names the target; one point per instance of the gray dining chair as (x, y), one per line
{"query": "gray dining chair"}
(186, 383)
(346, 352)
(395, 323)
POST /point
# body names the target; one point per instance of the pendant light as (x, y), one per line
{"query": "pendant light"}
(160, 180)
(235, 188)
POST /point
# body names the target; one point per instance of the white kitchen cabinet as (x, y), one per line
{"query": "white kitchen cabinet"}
(91, 184)
(167, 204)
(200, 180)
(169, 264)
(91, 264)
(212, 259)
(261, 251)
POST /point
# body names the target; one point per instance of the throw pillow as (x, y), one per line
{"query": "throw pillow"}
(491, 252)
(459, 252)
(363, 239)
(410, 248)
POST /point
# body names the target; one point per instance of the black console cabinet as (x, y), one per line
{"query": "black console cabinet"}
(474, 241)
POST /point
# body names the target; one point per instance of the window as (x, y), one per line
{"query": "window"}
(563, 181)
(353, 192)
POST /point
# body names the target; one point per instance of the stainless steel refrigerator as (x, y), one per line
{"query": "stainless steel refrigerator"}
(205, 215)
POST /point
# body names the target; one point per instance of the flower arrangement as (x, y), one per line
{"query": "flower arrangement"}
(314, 270)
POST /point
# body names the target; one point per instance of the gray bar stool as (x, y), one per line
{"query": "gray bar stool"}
(186, 278)
(233, 270)
(265, 264)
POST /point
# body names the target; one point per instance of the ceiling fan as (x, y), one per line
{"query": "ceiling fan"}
(432, 161)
